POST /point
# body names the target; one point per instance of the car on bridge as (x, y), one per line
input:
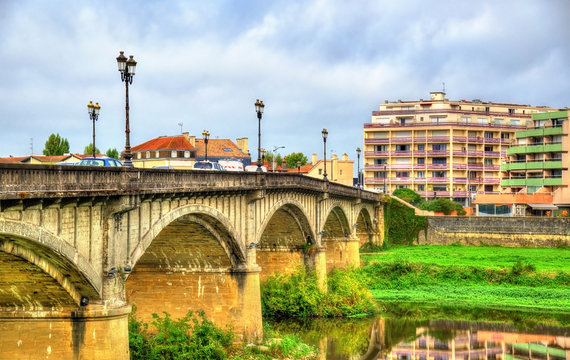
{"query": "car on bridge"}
(99, 161)
(207, 165)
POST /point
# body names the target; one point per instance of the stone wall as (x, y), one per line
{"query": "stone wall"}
(491, 230)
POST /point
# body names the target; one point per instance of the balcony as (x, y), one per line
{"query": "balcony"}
(460, 180)
(491, 167)
(399, 180)
(492, 140)
(475, 140)
(401, 140)
(491, 181)
(539, 132)
(438, 166)
(549, 181)
(401, 153)
(369, 180)
(376, 166)
(438, 152)
(474, 153)
(492, 154)
(419, 152)
(376, 153)
(529, 149)
(438, 139)
(459, 139)
(438, 179)
(475, 166)
(377, 141)
(459, 166)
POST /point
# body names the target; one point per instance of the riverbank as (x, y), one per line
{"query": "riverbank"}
(522, 279)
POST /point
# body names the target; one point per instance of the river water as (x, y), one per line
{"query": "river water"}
(514, 336)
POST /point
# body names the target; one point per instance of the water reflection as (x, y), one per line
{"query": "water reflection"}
(404, 339)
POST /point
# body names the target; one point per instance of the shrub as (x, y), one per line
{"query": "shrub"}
(443, 205)
(402, 225)
(190, 337)
(408, 195)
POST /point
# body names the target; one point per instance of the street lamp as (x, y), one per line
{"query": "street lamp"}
(358, 167)
(325, 135)
(263, 151)
(275, 148)
(259, 106)
(206, 135)
(298, 167)
(93, 111)
(127, 70)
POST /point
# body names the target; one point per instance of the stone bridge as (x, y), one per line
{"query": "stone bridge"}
(80, 245)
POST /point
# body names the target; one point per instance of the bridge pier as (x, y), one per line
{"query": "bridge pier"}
(93, 333)
(342, 252)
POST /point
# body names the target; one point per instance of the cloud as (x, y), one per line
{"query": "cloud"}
(315, 64)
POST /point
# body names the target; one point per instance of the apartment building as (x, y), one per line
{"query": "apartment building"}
(540, 160)
(439, 147)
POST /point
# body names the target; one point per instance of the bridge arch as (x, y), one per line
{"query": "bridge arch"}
(47, 259)
(284, 235)
(209, 218)
(335, 222)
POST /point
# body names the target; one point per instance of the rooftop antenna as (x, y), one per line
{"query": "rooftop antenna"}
(443, 86)
(32, 146)
(180, 124)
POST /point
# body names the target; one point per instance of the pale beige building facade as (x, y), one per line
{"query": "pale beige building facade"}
(338, 170)
(439, 147)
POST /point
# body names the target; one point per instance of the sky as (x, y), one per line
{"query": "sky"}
(315, 64)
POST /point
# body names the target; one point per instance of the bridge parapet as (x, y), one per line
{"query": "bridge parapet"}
(45, 181)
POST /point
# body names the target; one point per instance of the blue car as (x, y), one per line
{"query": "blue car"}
(95, 161)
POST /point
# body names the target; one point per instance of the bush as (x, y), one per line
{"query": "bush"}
(190, 337)
(402, 225)
(408, 195)
(443, 205)
(298, 295)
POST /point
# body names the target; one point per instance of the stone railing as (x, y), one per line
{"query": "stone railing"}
(51, 181)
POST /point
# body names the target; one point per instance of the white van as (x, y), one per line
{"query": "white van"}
(231, 165)
(254, 168)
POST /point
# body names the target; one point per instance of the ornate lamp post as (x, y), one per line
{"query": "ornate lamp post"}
(358, 167)
(298, 167)
(127, 70)
(325, 135)
(259, 106)
(206, 135)
(93, 111)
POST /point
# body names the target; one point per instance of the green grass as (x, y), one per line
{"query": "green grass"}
(525, 279)
(543, 259)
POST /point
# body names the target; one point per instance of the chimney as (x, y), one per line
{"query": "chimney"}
(186, 135)
(334, 157)
(345, 157)
(284, 165)
(192, 140)
(314, 159)
(242, 145)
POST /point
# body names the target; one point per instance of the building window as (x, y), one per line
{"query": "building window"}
(498, 121)
(402, 186)
(186, 154)
(378, 148)
(488, 188)
(488, 148)
(488, 162)
(515, 122)
(380, 161)
(320, 171)
(421, 161)
(511, 111)
(465, 119)
(173, 153)
(156, 154)
(420, 174)
(505, 135)
(139, 155)
(481, 120)
(402, 174)
(147, 155)
(380, 174)
(488, 135)
(439, 147)
(421, 187)
(421, 147)
(439, 160)
(438, 119)
(402, 147)
(440, 188)
(438, 174)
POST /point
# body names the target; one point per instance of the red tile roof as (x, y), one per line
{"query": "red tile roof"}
(166, 143)
(13, 159)
(219, 148)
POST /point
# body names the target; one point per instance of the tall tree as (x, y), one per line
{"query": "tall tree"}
(293, 158)
(112, 153)
(56, 145)
(89, 149)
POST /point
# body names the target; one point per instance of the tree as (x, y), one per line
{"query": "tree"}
(293, 158)
(56, 145)
(89, 149)
(408, 195)
(112, 153)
